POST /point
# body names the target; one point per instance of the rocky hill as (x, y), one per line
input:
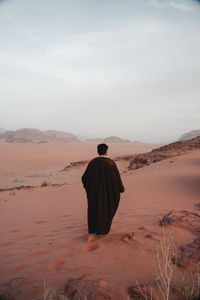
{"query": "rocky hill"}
(190, 135)
(110, 139)
(164, 152)
(33, 135)
(115, 139)
(97, 140)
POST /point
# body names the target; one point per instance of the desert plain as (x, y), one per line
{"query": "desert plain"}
(43, 220)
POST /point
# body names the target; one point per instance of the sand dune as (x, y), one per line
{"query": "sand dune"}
(44, 229)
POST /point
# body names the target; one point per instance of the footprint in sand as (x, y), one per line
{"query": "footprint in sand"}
(3, 200)
(149, 234)
(57, 264)
(145, 251)
(27, 236)
(68, 227)
(91, 246)
(93, 243)
(128, 237)
(14, 231)
(39, 222)
(40, 253)
(50, 235)
(6, 244)
(12, 193)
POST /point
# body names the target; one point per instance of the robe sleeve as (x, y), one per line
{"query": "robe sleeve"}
(121, 186)
(85, 178)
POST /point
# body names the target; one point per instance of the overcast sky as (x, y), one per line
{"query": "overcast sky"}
(97, 68)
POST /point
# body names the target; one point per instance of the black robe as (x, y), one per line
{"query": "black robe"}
(103, 186)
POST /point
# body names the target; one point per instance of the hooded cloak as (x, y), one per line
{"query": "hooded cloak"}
(103, 186)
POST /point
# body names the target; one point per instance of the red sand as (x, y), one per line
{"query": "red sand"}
(43, 230)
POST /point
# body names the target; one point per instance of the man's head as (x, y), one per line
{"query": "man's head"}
(102, 149)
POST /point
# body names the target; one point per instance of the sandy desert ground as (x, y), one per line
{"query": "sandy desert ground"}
(43, 230)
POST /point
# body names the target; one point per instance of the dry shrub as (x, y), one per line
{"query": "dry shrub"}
(188, 285)
(45, 183)
(51, 294)
(165, 267)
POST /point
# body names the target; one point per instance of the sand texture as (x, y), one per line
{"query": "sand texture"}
(43, 220)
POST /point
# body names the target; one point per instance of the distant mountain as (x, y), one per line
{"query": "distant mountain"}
(7, 134)
(97, 140)
(33, 135)
(82, 138)
(190, 135)
(2, 130)
(115, 139)
(110, 139)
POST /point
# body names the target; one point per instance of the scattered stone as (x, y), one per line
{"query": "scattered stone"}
(184, 219)
(189, 255)
(18, 179)
(124, 157)
(148, 236)
(142, 228)
(87, 288)
(85, 162)
(75, 164)
(10, 289)
(30, 187)
(128, 236)
(22, 187)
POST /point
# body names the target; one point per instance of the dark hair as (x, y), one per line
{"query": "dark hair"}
(102, 148)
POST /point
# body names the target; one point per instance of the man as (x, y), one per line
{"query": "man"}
(103, 186)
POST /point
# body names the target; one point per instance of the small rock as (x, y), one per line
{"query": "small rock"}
(184, 219)
(18, 179)
(128, 236)
(87, 288)
(148, 236)
(189, 255)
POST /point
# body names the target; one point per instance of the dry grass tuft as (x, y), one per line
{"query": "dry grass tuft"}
(186, 287)
(45, 183)
(51, 294)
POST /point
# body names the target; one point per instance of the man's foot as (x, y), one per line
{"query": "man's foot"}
(101, 236)
(93, 237)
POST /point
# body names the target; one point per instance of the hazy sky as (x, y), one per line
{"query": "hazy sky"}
(97, 68)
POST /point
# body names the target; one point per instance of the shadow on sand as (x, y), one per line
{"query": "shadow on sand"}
(190, 183)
